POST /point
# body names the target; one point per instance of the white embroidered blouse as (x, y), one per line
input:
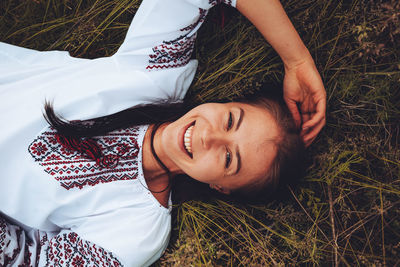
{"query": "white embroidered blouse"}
(71, 208)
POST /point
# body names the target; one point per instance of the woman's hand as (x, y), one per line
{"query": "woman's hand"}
(305, 96)
(304, 92)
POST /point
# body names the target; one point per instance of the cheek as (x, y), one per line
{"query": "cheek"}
(209, 111)
(205, 170)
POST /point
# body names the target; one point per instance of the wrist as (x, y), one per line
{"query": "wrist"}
(298, 57)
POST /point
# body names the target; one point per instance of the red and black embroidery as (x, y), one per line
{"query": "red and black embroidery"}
(13, 243)
(73, 170)
(43, 243)
(197, 24)
(4, 245)
(69, 249)
(176, 53)
(216, 2)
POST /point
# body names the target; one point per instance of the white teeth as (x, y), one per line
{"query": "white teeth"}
(187, 139)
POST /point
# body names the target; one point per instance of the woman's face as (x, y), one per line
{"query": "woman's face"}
(227, 145)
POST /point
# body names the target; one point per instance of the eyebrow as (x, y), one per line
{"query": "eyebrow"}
(240, 119)
(239, 161)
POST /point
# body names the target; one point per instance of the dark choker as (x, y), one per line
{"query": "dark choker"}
(153, 151)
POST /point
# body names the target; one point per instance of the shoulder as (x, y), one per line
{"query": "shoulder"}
(138, 236)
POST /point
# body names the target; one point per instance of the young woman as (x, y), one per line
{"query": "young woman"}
(105, 200)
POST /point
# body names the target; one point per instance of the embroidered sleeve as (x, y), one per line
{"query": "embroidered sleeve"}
(163, 32)
(16, 248)
(68, 249)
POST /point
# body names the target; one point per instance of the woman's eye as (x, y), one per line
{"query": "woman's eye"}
(230, 121)
(228, 159)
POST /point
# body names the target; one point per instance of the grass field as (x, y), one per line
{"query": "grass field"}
(347, 210)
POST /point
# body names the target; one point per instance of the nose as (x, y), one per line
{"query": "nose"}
(212, 137)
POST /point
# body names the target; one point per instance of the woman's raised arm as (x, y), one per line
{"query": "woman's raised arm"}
(304, 91)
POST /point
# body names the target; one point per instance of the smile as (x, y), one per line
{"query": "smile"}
(187, 139)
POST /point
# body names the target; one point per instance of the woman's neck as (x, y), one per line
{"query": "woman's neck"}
(151, 168)
(156, 176)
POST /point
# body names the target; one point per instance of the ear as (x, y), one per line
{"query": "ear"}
(220, 189)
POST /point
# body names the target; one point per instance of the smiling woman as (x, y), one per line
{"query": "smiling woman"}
(223, 145)
(95, 187)
(227, 138)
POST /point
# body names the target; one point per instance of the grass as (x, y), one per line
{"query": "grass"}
(347, 210)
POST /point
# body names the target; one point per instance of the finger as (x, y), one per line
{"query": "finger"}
(309, 142)
(317, 117)
(310, 106)
(309, 137)
(295, 111)
(306, 115)
(312, 132)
